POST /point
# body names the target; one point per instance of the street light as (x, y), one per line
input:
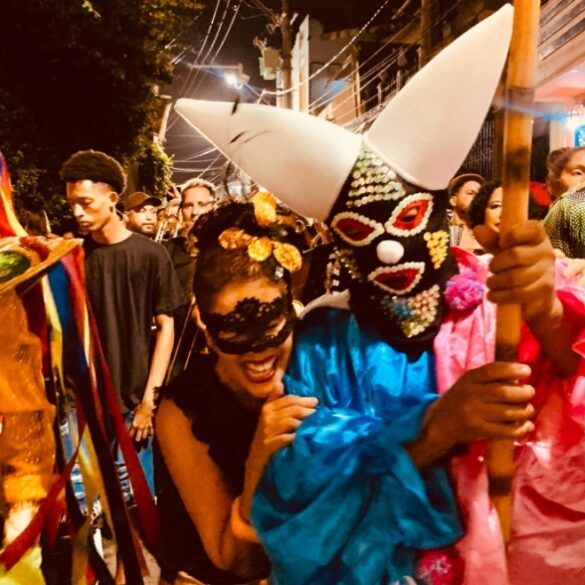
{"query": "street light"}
(233, 80)
(234, 74)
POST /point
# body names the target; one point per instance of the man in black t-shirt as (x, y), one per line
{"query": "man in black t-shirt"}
(130, 282)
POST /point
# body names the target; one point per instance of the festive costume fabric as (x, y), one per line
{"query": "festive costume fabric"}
(345, 503)
(548, 522)
(37, 313)
(322, 510)
(564, 223)
(27, 445)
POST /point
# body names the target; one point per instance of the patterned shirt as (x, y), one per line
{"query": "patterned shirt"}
(565, 223)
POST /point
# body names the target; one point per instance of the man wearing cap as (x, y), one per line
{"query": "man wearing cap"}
(140, 213)
(462, 189)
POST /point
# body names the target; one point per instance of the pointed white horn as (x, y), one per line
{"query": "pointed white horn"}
(427, 130)
(302, 159)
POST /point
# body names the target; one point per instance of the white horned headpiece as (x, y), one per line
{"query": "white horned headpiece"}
(377, 191)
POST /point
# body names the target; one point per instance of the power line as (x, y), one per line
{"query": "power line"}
(222, 43)
(203, 58)
(335, 57)
(389, 61)
(391, 40)
(174, 118)
(203, 44)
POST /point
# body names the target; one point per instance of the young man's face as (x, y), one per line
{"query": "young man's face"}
(92, 204)
(142, 220)
(196, 202)
(461, 199)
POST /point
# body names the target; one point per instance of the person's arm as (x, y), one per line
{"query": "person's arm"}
(279, 419)
(523, 272)
(488, 402)
(206, 496)
(165, 333)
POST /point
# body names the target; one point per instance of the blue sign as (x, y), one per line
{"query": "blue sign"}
(580, 135)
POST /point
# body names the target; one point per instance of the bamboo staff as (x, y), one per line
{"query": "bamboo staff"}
(520, 84)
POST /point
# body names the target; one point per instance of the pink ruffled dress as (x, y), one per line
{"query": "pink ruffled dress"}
(548, 538)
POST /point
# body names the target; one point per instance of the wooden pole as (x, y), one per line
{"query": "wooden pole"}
(521, 79)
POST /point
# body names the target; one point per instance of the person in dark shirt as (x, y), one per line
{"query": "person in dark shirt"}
(130, 282)
(221, 419)
(197, 198)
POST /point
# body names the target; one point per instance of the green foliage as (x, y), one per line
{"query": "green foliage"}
(82, 74)
(155, 170)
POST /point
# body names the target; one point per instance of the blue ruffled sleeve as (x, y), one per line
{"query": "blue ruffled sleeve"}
(344, 504)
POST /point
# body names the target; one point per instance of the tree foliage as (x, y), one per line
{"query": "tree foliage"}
(81, 74)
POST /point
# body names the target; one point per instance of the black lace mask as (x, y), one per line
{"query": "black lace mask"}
(252, 326)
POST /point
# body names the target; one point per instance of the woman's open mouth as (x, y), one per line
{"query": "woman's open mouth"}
(260, 371)
(399, 279)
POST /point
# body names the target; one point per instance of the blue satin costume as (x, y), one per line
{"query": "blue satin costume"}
(344, 504)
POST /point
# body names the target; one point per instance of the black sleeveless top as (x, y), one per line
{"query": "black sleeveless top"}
(219, 421)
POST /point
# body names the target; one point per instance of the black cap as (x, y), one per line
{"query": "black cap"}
(139, 199)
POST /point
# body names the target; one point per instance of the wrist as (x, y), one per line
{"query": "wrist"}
(240, 526)
(145, 407)
(549, 317)
(434, 440)
(151, 397)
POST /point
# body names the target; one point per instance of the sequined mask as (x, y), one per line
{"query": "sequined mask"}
(393, 239)
(252, 326)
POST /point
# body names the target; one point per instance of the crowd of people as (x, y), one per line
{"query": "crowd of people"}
(343, 439)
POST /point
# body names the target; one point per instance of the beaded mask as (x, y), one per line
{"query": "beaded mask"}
(252, 326)
(393, 240)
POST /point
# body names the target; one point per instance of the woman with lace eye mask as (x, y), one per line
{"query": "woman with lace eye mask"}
(223, 417)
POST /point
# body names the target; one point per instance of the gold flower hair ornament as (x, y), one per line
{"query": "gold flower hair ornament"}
(261, 248)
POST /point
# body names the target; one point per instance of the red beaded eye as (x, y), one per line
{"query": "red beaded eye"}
(411, 216)
(356, 229)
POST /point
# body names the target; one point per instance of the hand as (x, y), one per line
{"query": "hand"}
(142, 424)
(485, 403)
(523, 269)
(279, 419)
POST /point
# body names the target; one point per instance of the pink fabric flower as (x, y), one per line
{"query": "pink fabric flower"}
(442, 566)
(464, 291)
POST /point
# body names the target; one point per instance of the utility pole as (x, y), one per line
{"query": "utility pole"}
(425, 31)
(285, 100)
